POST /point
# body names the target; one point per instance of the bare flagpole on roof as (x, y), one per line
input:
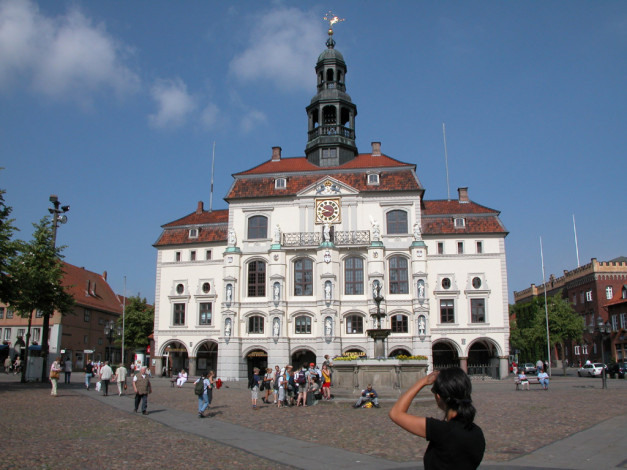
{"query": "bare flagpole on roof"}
(213, 159)
(576, 244)
(448, 186)
(546, 310)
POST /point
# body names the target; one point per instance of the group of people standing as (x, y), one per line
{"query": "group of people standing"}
(288, 387)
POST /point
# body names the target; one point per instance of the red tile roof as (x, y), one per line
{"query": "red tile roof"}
(438, 218)
(212, 227)
(301, 164)
(454, 207)
(100, 295)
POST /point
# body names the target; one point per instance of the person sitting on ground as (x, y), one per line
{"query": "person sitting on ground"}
(181, 379)
(455, 442)
(543, 378)
(523, 379)
(369, 394)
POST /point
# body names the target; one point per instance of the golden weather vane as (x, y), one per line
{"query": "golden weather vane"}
(332, 19)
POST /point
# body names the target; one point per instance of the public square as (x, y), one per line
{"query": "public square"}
(566, 427)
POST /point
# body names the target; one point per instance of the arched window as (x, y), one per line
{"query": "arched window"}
(302, 325)
(255, 324)
(354, 276)
(256, 279)
(399, 324)
(396, 222)
(398, 275)
(257, 227)
(303, 277)
(354, 324)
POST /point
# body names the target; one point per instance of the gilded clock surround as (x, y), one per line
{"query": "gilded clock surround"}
(328, 210)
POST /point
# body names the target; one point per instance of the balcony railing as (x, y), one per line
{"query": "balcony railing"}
(340, 238)
(332, 130)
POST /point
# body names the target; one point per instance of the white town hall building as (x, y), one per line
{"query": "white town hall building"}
(286, 274)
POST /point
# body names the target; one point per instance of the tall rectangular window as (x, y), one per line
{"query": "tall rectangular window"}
(179, 314)
(399, 283)
(208, 254)
(86, 315)
(460, 248)
(21, 332)
(623, 321)
(303, 277)
(479, 247)
(256, 279)
(614, 322)
(440, 248)
(192, 255)
(354, 276)
(477, 310)
(1, 312)
(447, 311)
(589, 296)
(396, 222)
(177, 256)
(204, 313)
(7, 334)
(609, 292)
(36, 334)
(9, 313)
(354, 324)
(577, 350)
(257, 227)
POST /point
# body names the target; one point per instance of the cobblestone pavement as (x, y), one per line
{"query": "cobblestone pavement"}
(78, 432)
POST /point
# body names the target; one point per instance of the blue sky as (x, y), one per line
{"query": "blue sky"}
(114, 106)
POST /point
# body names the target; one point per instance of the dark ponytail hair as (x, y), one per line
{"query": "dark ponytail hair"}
(454, 388)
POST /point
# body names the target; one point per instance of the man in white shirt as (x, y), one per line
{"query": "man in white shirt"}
(105, 377)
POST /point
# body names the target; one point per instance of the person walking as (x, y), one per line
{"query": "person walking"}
(142, 388)
(67, 369)
(7, 364)
(105, 377)
(120, 378)
(203, 398)
(89, 373)
(455, 442)
(55, 372)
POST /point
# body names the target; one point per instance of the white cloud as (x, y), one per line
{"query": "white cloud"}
(209, 116)
(280, 50)
(174, 104)
(253, 119)
(63, 57)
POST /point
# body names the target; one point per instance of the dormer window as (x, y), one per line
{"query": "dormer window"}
(280, 183)
(373, 178)
(193, 233)
(459, 222)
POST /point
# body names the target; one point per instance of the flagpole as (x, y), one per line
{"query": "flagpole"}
(123, 318)
(213, 159)
(576, 244)
(546, 310)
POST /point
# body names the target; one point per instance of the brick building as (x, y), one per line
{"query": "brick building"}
(79, 335)
(597, 292)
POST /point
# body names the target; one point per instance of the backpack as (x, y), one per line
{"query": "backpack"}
(301, 378)
(199, 387)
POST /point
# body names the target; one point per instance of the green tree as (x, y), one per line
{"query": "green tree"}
(139, 318)
(38, 274)
(528, 330)
(8, 251)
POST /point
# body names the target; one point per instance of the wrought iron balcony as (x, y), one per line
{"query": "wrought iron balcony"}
(332, 130)
(339, 238)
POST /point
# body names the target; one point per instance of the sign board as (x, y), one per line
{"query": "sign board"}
(88, 351)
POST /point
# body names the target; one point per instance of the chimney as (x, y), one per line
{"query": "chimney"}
(200, 208)
(463, 194)
(104, 275)
(276, 154)
(376, 149)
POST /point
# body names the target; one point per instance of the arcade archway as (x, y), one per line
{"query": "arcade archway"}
(175, 357)
(483, 358)
(207, 357)
(444, 355)
(399, 352)
(256, 358)
(302, 356)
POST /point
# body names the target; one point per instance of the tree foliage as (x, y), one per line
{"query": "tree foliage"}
(138, 322)
(8, 250)
(528, 329)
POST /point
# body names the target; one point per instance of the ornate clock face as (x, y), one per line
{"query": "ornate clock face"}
(328, 210)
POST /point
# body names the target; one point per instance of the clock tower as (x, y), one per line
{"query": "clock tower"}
(331, 113)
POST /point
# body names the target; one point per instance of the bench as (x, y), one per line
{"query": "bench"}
(532, 381)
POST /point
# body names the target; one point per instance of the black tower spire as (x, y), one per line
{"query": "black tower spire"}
(331, 113)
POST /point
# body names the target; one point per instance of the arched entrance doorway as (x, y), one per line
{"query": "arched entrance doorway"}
(175, 357)
(303, 356)
(400, 352)
(483, 359)
(444, 355)
(256, 358)
(207, 357)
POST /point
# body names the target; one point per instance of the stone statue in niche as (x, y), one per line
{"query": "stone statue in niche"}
(276, 327)
(417, 234)
(328, 327)
(277, 235)
(232, 238)
(327, 232)
(422, 326)
(327, 291)
(421, 289)
(376, 229)
(276, 292)
(229, 293)
(227, 327)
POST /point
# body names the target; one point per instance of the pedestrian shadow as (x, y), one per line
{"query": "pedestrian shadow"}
(213, 415)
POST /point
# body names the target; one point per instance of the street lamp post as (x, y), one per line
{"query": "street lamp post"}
(109, 331)
(58, 216)
(604, 329)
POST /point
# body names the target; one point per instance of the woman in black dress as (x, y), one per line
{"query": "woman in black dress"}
(455, 442)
